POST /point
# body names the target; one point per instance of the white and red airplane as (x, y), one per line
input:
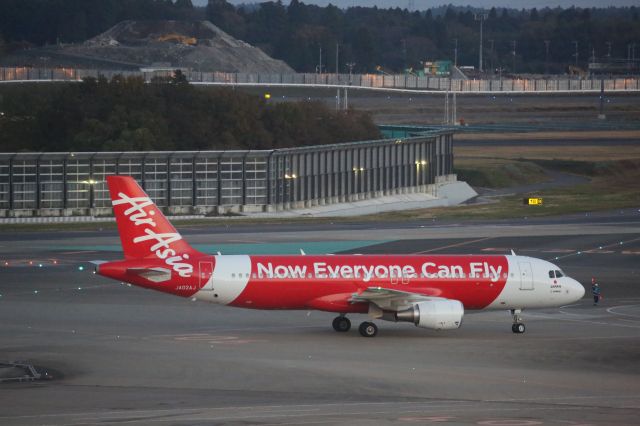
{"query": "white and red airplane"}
(430, 291)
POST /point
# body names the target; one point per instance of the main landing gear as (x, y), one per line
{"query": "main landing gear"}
(368, 329)
(342, 324)
(517, 327)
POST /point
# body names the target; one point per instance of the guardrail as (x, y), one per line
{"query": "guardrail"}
(400, 82)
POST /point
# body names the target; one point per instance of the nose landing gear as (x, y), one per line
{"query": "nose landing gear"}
(517, 327)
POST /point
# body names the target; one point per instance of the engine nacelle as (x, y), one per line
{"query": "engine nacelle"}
(434, 314)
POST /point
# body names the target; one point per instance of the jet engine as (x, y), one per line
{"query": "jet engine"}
(435, 314)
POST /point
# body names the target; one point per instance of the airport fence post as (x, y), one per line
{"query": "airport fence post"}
(194, 188)
(38, 195)
(219, 183)
(243, 193)
(168, 181)
(11, 197)
(64, 183)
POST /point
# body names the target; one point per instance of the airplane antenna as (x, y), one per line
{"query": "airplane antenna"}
(219, 254)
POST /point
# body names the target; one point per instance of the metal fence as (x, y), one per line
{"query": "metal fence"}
(217, 182)
(363, 81)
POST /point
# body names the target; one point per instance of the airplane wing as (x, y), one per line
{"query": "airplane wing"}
(157, 275)
(389, 299)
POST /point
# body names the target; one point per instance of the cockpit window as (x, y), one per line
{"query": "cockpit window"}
(559, 274)
(551, 275)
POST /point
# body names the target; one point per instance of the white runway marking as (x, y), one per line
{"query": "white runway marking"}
(612, 311)
(463, 243)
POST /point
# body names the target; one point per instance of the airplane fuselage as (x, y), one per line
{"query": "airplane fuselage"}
(327, 282)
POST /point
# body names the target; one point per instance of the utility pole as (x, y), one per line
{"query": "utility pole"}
(350, 65)
(575, 43)
(601, 115)
(480, 17)
(513, 53)
(546, 56)
(455, 52)
(454, 112)
(446, 107)
(608, 51)
(320, 62)
(491, 55)
(337, 78)
(404, 53)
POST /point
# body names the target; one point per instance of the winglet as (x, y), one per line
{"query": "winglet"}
(513, 253)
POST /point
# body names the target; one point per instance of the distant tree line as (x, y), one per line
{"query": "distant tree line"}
(127, 114)
(394, 39)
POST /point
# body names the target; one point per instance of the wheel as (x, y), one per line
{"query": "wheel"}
(341, 324)
(368, 329)
(518, 328)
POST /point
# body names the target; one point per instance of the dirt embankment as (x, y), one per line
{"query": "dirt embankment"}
(198, 45)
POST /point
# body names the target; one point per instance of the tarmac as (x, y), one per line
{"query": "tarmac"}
(121, 354)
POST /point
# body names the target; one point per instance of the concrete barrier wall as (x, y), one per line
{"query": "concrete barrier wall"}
(363, 81)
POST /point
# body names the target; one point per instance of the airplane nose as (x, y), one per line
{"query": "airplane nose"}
(579, 290)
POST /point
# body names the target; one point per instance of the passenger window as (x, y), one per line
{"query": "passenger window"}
(551, 274)
(559, 274)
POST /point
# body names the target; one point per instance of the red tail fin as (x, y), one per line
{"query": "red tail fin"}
(144, 231)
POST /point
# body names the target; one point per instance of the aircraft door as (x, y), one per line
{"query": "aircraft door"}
(205, 271)
(526, 276)
(394, 277)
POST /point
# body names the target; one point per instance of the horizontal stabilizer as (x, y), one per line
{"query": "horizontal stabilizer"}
(157, 275)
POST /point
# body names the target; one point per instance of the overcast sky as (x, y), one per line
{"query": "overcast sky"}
(427, 4)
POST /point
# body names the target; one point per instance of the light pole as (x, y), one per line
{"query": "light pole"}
(350, 65)
(491, 54)
(608, 51)
(513, 53)
(546, 56)
(480, 17)
(337, 78)
(575, 43)
(455, 52)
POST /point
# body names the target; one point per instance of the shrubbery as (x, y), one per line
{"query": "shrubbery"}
(127, 114)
